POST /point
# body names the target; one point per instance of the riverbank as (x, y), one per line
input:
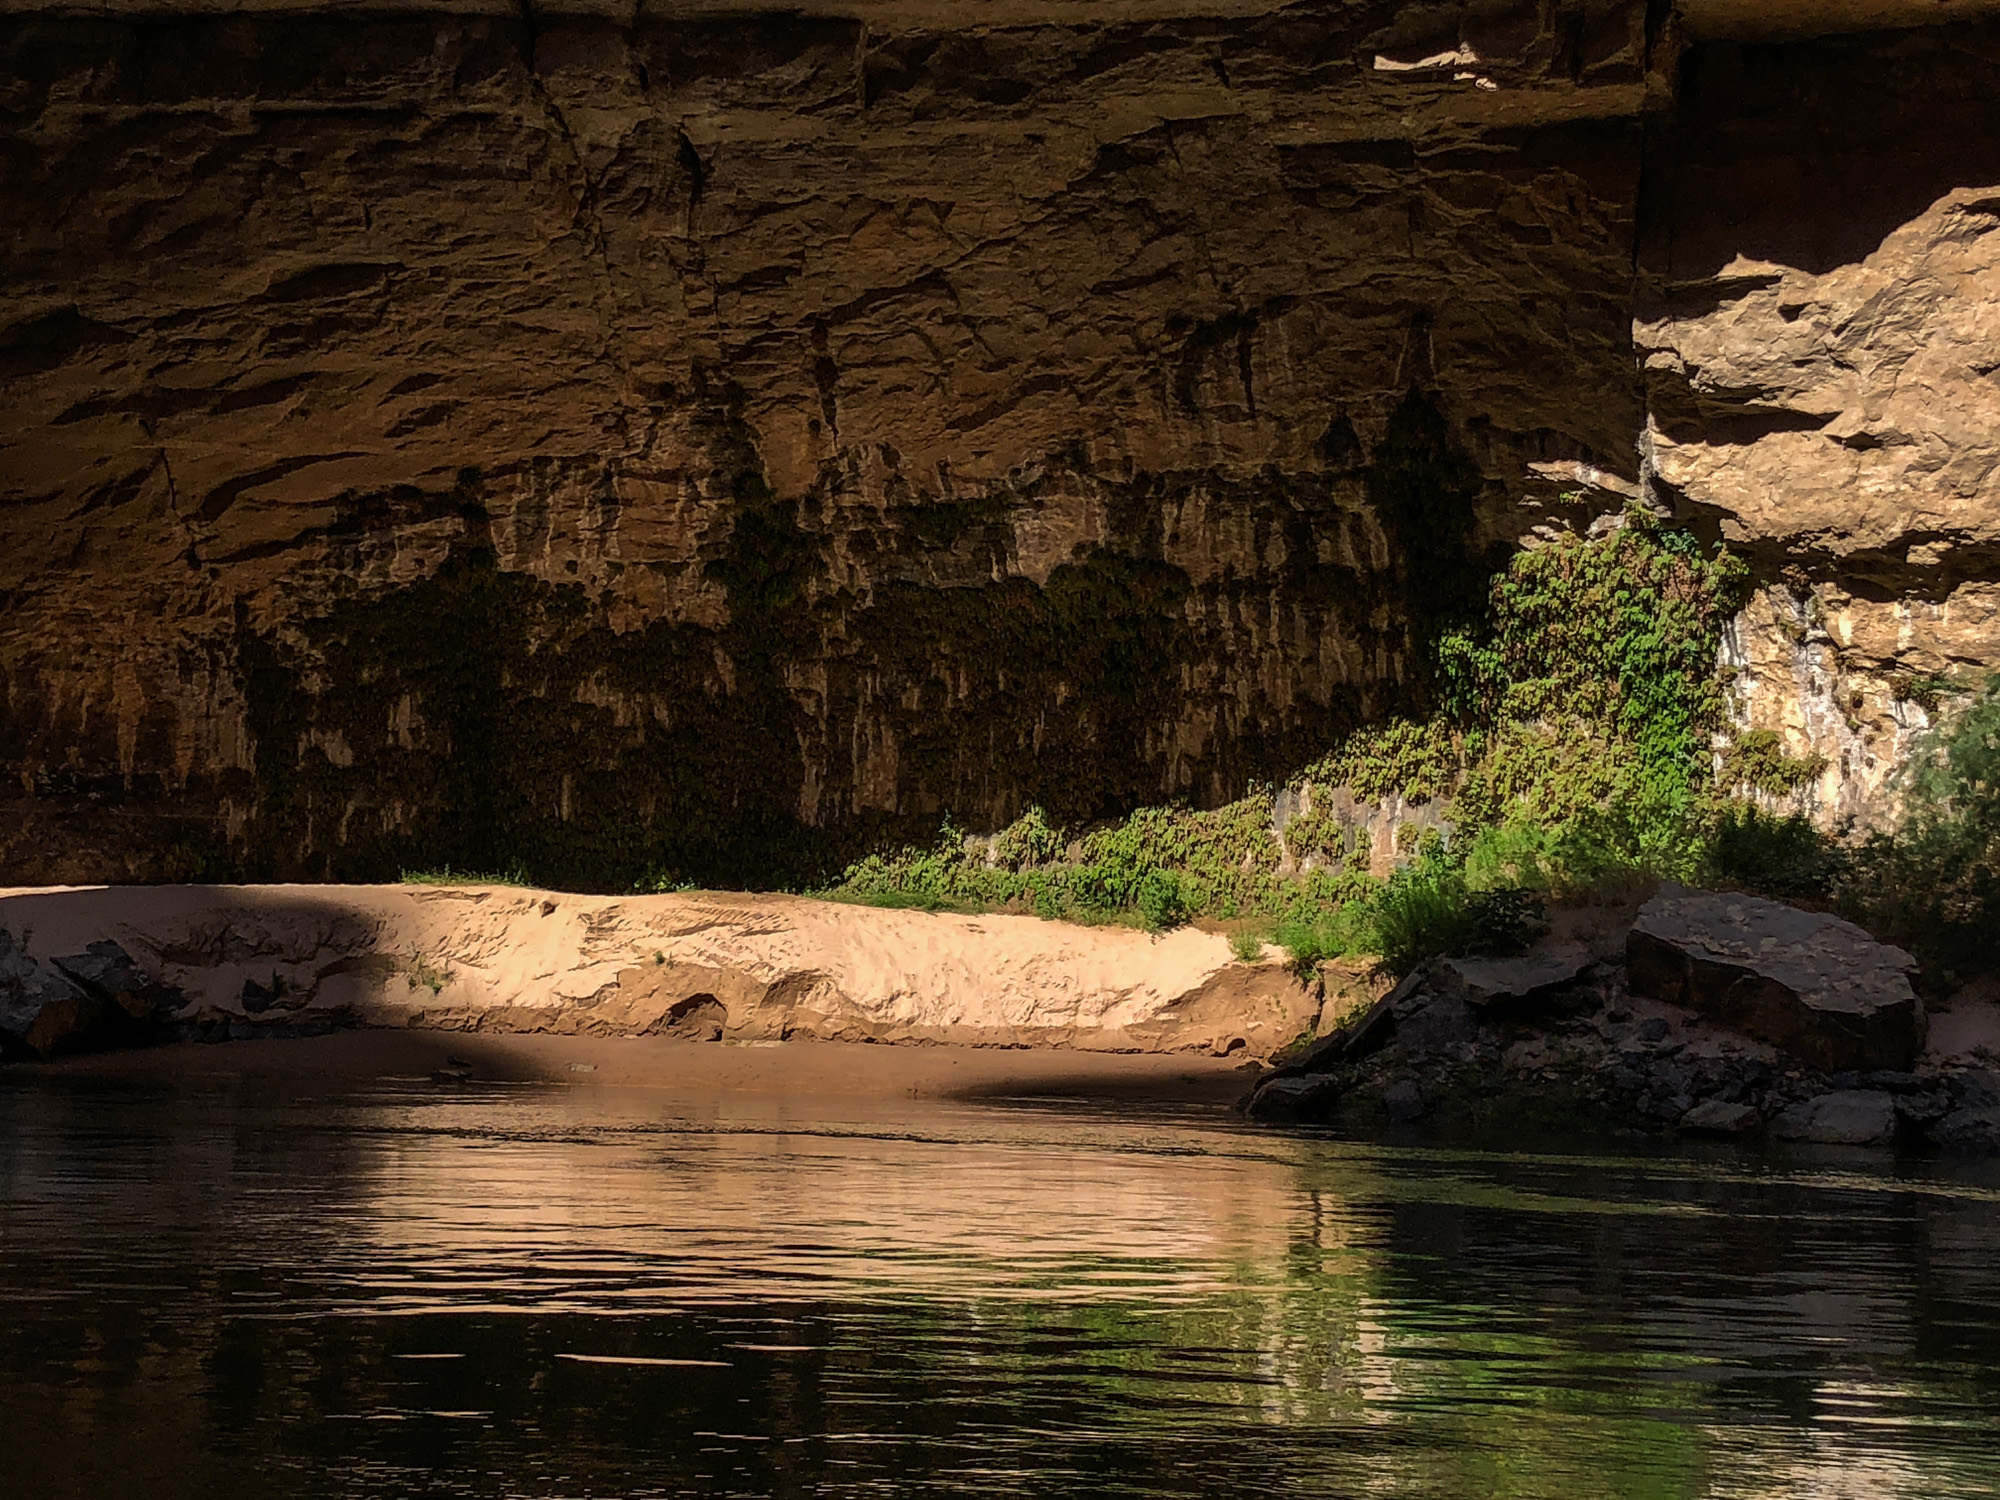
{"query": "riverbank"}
(85, 969)
(791, 1068)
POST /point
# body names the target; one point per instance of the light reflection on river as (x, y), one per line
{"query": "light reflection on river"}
(224, 1290)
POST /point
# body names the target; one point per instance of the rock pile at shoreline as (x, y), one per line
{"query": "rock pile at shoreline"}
(1718, 1015)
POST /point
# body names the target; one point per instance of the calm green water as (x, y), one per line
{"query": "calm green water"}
(216, 1291)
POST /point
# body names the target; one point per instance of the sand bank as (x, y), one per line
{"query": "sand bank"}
(240, 962)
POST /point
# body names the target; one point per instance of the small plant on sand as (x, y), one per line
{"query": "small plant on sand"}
(1247, 946)
(424, 973)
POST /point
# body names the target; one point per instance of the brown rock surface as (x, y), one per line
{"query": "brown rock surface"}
(628, 436)
(1808, 982)
(245, 960)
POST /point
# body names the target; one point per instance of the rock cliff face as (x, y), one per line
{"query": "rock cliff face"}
(632, 436)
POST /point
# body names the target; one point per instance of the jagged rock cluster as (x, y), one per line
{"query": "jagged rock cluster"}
(1715, 1015)
(633, 437)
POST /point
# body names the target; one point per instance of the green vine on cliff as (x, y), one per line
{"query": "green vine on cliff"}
(1573, 734)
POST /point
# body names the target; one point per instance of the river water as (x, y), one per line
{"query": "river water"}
(225, 1289)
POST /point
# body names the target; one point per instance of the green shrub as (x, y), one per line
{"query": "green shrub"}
(1771, 854)
(1430, 908)
(1160, 900)
(1311, 939)
(1246, 945)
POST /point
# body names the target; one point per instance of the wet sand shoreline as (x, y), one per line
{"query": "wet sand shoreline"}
(794, 1067)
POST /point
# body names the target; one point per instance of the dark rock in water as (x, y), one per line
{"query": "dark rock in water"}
(1847, 1117)
(26, 992)
(117, 1003)
(1403, 1100)
(1365, 1037)
(1289, 1096)
(1437, 1027)
(90, 1000)
(1493, 982)
(1805, 981)
(1721, 1117)
(1974, 1129)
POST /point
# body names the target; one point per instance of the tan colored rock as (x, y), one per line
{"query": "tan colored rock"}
(697, 966)
(1816, 312)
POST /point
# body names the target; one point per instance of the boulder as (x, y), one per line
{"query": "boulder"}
(1404, 1101)
(84, 1001)
(1972, 1129)
(1847, 1117)
(1289, 1096)
(1806, 981)
(1493, 982)
(38, 1009)
(1720, 1117)
(1374, 1030)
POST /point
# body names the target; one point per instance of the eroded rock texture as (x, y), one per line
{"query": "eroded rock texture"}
(676, 438)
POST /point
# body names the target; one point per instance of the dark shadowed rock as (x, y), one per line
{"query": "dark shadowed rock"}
(1976, 1088)
(38, 1009)
(1403, 1100)
(1487, 982)
(1848, 1117)
(1290, 1097)
(1976, 1129)
(1721, 1117)
(1436, 1027)
(1373, 1031)
(1805, 981)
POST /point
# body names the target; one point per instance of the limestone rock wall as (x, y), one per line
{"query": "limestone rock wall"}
(1818, 308)
(680, 438)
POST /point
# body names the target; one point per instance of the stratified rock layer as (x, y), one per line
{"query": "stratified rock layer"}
(642, 437)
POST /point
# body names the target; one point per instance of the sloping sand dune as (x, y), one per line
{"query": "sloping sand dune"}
(272, 959)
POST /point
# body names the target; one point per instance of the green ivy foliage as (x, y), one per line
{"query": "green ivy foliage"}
(1584, 705)
(1572, 740)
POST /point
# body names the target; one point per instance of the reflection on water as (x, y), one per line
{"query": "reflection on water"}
(216, 1291)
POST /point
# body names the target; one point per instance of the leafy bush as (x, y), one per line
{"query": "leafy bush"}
(1775, 855)
(1246, 945)
(1311, 939)
(1160, 900)
(1429, 908)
